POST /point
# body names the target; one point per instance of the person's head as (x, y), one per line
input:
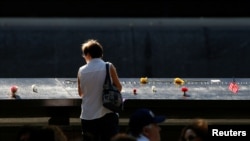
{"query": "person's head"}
(196, 131)
(143, 121)
(92, 48)
(54, 132)
(26, 132)
(123, 137)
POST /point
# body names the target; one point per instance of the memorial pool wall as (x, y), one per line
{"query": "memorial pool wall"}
(138, 47)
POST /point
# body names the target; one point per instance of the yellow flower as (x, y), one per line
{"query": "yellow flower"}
(179, 81)
(144, 80)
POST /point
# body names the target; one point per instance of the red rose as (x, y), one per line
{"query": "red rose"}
(184, 89)
(134, 90)
(13, 89)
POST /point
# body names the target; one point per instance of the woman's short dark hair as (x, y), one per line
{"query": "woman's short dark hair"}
(93, 47)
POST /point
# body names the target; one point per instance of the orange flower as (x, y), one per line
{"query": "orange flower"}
(179, 81)
(144, 80)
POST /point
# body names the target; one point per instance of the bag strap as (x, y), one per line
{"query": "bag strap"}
(107, 79)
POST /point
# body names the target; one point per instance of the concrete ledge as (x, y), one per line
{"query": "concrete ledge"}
(123, 121)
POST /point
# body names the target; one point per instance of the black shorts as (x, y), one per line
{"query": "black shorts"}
(101, 129)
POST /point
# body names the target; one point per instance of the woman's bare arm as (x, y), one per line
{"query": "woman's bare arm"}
(115, 77)
(79, 88)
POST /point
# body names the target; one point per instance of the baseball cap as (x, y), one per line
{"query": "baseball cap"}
(142, 117)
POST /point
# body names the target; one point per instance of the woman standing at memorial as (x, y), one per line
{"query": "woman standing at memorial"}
(98, 122)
